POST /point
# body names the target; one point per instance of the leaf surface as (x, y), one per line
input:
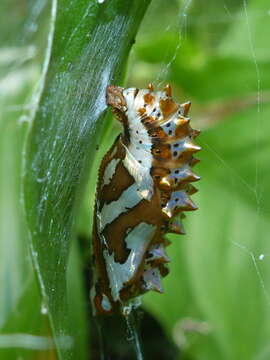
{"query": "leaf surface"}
(87, 50)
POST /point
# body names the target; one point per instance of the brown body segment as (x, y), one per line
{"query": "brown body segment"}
(115, 232)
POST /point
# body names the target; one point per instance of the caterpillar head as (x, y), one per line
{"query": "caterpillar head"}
(155, 108)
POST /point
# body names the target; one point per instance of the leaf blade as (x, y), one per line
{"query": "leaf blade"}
(66, 128)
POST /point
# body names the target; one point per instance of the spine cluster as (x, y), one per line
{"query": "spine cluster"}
(173, 160)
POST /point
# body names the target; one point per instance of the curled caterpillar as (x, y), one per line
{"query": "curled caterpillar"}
(143, 189)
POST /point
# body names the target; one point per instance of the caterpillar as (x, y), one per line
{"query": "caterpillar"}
(144, 187)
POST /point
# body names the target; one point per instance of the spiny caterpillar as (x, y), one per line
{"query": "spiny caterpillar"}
(143, 189)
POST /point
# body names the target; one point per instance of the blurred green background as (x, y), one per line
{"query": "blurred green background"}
(216, 303)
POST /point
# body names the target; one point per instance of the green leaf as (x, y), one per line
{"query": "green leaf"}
(219, 78)
(246, 38)
(22, 325)
(87, 50)
(14, 256)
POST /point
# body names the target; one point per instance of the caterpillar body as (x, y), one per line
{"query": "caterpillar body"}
(143, 189)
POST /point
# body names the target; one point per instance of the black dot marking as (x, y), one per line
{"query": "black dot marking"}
(157, 177)
(140, 141)
(158, 114)
(176, 172)
(175, 145)
(176, 200)
(154, 109)
(175, 153)
(140, 161)
(168, 125)
(137, 132)
(175, 181)
(170, 132)
(144, 105)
